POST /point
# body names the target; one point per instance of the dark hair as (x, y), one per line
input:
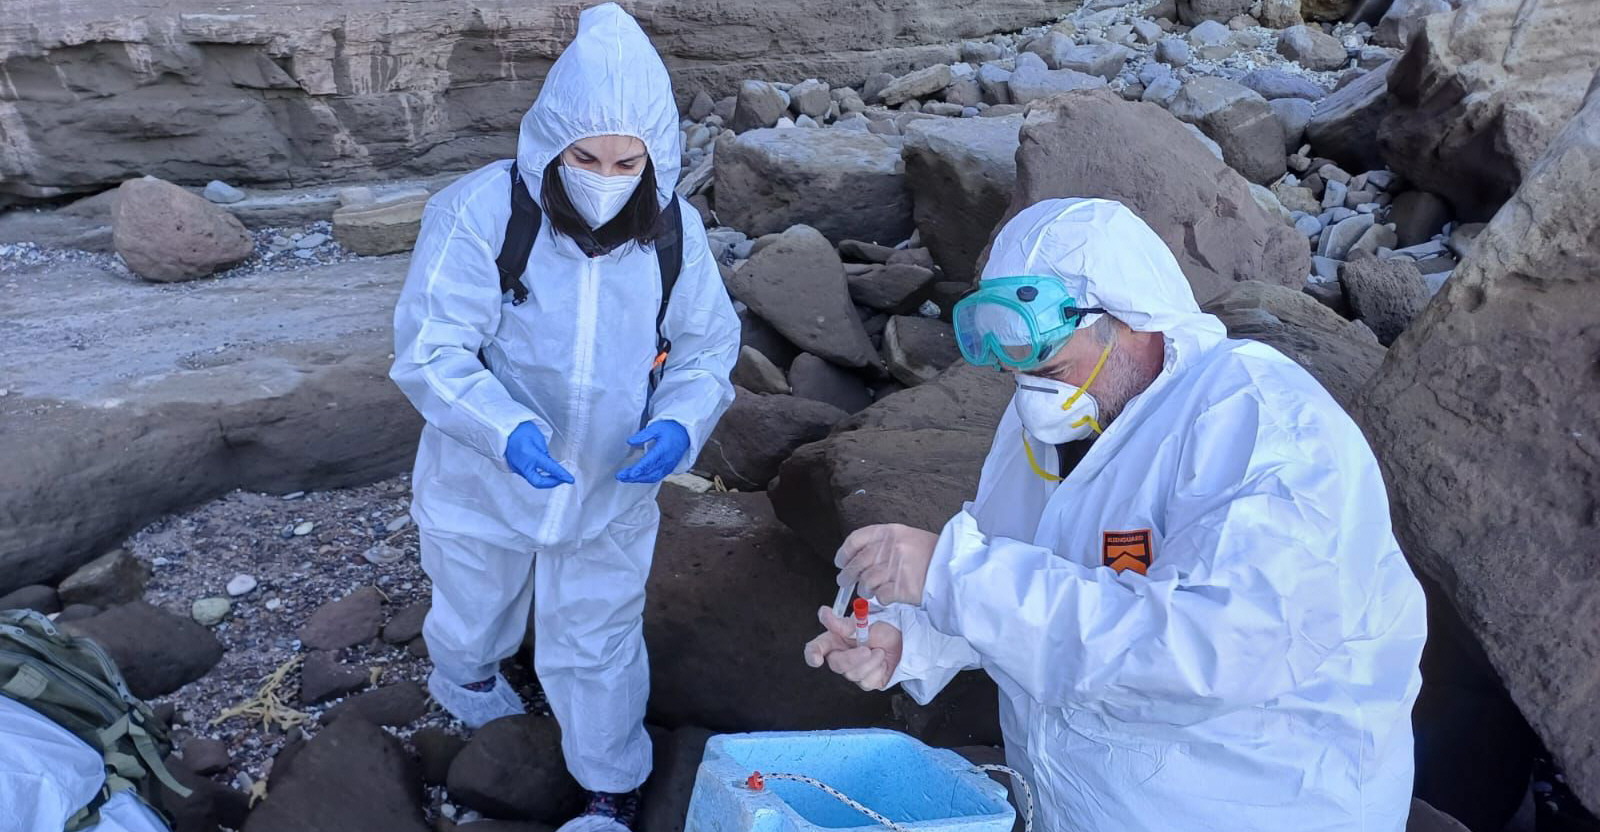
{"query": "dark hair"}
(639, 221)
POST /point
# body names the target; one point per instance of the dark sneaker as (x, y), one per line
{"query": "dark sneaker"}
(622, 808)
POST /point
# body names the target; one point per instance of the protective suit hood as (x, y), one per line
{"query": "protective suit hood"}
(1106, 253)
(608, 81)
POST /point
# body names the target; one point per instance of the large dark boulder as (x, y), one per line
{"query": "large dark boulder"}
(351, 777)
(157, 652)
(758, 433)
(1484, 416)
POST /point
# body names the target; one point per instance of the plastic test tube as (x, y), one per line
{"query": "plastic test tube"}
(841, 602)
(860, 609)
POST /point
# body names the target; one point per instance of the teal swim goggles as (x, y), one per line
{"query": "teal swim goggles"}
(1016, 322)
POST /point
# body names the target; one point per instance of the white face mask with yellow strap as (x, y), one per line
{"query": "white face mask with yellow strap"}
(1055, 412)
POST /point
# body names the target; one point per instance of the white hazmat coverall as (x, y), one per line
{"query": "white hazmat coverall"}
(1260, 676)
(574, 359)
(47, 775)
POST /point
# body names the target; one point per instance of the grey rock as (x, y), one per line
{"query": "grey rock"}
(872, 89)
(860, 252)
(813, 378)
(810, 98)
(979, 51)
(1153, 71)
(1308, 225)
(758, 433)
(1163, 91)
(352, 620)
(1293, 115)
(702, 105)
(241, 585)
(756, 373)
(1334, 195)
(964, 93)
(222, 193)
(1385, 294)
(961, 175)
(854, 122)
(918, 84)
(1403, 19)
(1273, 84)
(1174, 51)
(844, 184)
(994, 82)
(1346, 121)
(116, 577)
(1326, 268)
(157, 652)
(1209, 33)
(941, 108)
(760, 105)
(1338, 240)
(1029, 84)
(798, 285)
(1311, 48)
(1374, 239)
(1102, 59)
(918, 349)
(1145, 30)
(1239, 121)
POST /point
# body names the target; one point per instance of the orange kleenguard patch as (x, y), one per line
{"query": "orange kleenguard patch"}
(1126, 550)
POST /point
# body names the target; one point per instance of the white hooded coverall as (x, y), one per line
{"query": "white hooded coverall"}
(574, 359)
(47, 775)
(1260, 676)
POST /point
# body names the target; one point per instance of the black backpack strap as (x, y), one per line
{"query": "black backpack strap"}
(521, 230)
(669, 257)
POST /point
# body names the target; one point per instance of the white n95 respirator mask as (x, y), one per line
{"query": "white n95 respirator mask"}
(598, 199)
(1055, 412)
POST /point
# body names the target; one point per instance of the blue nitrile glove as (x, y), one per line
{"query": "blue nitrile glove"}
(528, 455)
(671, 443)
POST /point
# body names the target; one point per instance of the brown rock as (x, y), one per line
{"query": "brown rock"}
(322, 678)
(758, 433)
(1092, 144)
(1386, 295)
(798, 286)
(351, 777)
(394, 705)
(406, 624)
(353, 619)
(843, 183)
(1502, 518)
(166, 234)
(113, 578)
(157, 652)
(1340, 354)
(384, 228)
(1482, 92)
(513, 769)
(918, 349)
(1344, 123)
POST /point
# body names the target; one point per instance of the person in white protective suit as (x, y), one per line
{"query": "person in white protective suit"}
(1206, 624)
(47, 775)
(528, 485)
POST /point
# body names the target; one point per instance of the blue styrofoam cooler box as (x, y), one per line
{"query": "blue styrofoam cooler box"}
(913, 785)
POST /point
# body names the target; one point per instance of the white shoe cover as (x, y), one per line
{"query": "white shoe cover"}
(474, 708)
(592, 823)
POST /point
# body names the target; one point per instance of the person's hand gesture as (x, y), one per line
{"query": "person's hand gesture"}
(887, 562)
(668, 443)
(870, 667)
(528, 455)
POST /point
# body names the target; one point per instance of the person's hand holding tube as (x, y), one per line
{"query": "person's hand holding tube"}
(887, 562)
(870, 667)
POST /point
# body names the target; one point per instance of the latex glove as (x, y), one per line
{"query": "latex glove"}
(528, 455)
(671, 442)
(887, 562)
(870, 667)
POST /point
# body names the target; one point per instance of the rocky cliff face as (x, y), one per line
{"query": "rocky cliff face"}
(286, 93)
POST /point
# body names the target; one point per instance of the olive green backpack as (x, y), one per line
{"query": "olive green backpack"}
(74, 683)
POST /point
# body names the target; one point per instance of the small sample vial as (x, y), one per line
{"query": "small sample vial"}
(860, 610)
